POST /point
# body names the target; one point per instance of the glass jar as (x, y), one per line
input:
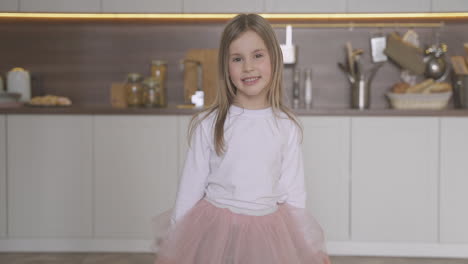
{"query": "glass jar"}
(159, 72)
(133, 90)
(151, 92)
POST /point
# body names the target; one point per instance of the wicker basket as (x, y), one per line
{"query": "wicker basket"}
(419, 101)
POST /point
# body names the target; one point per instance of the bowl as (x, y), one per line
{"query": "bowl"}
(419, 101)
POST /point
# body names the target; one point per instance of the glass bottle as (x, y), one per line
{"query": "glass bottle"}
(159, 72)
(133, 89)
(151, 92)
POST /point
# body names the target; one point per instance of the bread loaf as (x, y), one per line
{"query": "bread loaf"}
(400, 87)
(418, 88)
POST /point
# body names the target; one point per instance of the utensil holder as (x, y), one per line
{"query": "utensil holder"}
(360, 95)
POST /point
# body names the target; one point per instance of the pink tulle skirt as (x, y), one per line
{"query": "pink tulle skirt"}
(212, 235)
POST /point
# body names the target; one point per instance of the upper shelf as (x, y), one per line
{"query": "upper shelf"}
(173, 110)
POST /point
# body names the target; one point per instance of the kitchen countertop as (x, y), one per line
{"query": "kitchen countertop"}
(173, 110)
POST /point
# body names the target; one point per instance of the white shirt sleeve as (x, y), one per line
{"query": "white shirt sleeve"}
(193, 179)
(292, 169)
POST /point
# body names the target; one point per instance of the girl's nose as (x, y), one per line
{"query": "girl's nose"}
(248, 65)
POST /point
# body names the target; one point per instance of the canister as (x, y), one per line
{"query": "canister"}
(460, 90)
(19, 81)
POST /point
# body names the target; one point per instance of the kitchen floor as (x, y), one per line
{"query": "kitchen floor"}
(144, 258)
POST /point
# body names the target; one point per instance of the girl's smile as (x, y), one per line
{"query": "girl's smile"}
(250, 70)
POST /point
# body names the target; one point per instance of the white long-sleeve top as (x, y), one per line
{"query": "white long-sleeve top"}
(262, 165)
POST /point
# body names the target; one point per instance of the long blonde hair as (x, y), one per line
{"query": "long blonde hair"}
(226, 89)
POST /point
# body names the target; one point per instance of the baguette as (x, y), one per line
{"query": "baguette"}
(418, 88)
(439, 87)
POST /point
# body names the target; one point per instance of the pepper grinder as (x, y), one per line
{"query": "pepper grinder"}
(308, 88)
(297, 74)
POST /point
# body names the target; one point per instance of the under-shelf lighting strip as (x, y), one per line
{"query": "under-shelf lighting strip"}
(274, 18)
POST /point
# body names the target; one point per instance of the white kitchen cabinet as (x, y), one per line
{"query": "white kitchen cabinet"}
(135, 173)
(449, 5)
(326, 164)
(3, 188)
(223, 6)
(9, 6)
(141, 6)
(372, 6)
(394, 172)
(454, 180)
(86, 6)
(305, 6)
(49, 176)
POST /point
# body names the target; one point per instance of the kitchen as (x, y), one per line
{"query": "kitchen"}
(420, 151)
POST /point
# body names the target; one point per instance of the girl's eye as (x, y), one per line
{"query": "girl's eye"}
(236, 59)
(258, 55)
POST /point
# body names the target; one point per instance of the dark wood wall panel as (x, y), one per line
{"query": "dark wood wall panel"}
(81, 60)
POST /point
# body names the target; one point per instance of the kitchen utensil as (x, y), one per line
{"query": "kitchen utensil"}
(288, 50)
(349, 55)
(308, 89)
(435, 62)
(405, 54)
(378, 44)
(360, 95)
(19, 81)
(346, 71)
(360, 89)
(208, 59)
(295, 90)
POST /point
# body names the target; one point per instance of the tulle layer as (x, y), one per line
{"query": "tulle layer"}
(212, 235)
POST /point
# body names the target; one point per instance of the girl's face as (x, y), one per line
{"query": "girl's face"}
(250, 70)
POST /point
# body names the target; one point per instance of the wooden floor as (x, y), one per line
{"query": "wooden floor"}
(126, 258)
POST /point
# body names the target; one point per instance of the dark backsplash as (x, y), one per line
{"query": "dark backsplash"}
(81, 59)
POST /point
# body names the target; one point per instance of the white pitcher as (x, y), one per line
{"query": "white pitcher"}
(19, 81)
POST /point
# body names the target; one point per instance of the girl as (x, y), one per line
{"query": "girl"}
(241, 196)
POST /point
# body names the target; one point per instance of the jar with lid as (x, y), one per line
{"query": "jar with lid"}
(159, 72)
(151, 92)
(134, 90)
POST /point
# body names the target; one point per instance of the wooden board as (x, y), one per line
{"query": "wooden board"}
(209, 61)
(118, 97)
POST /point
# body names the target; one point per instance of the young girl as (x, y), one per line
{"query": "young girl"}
(241, 196)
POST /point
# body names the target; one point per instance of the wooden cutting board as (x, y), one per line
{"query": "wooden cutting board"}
(209, 61)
